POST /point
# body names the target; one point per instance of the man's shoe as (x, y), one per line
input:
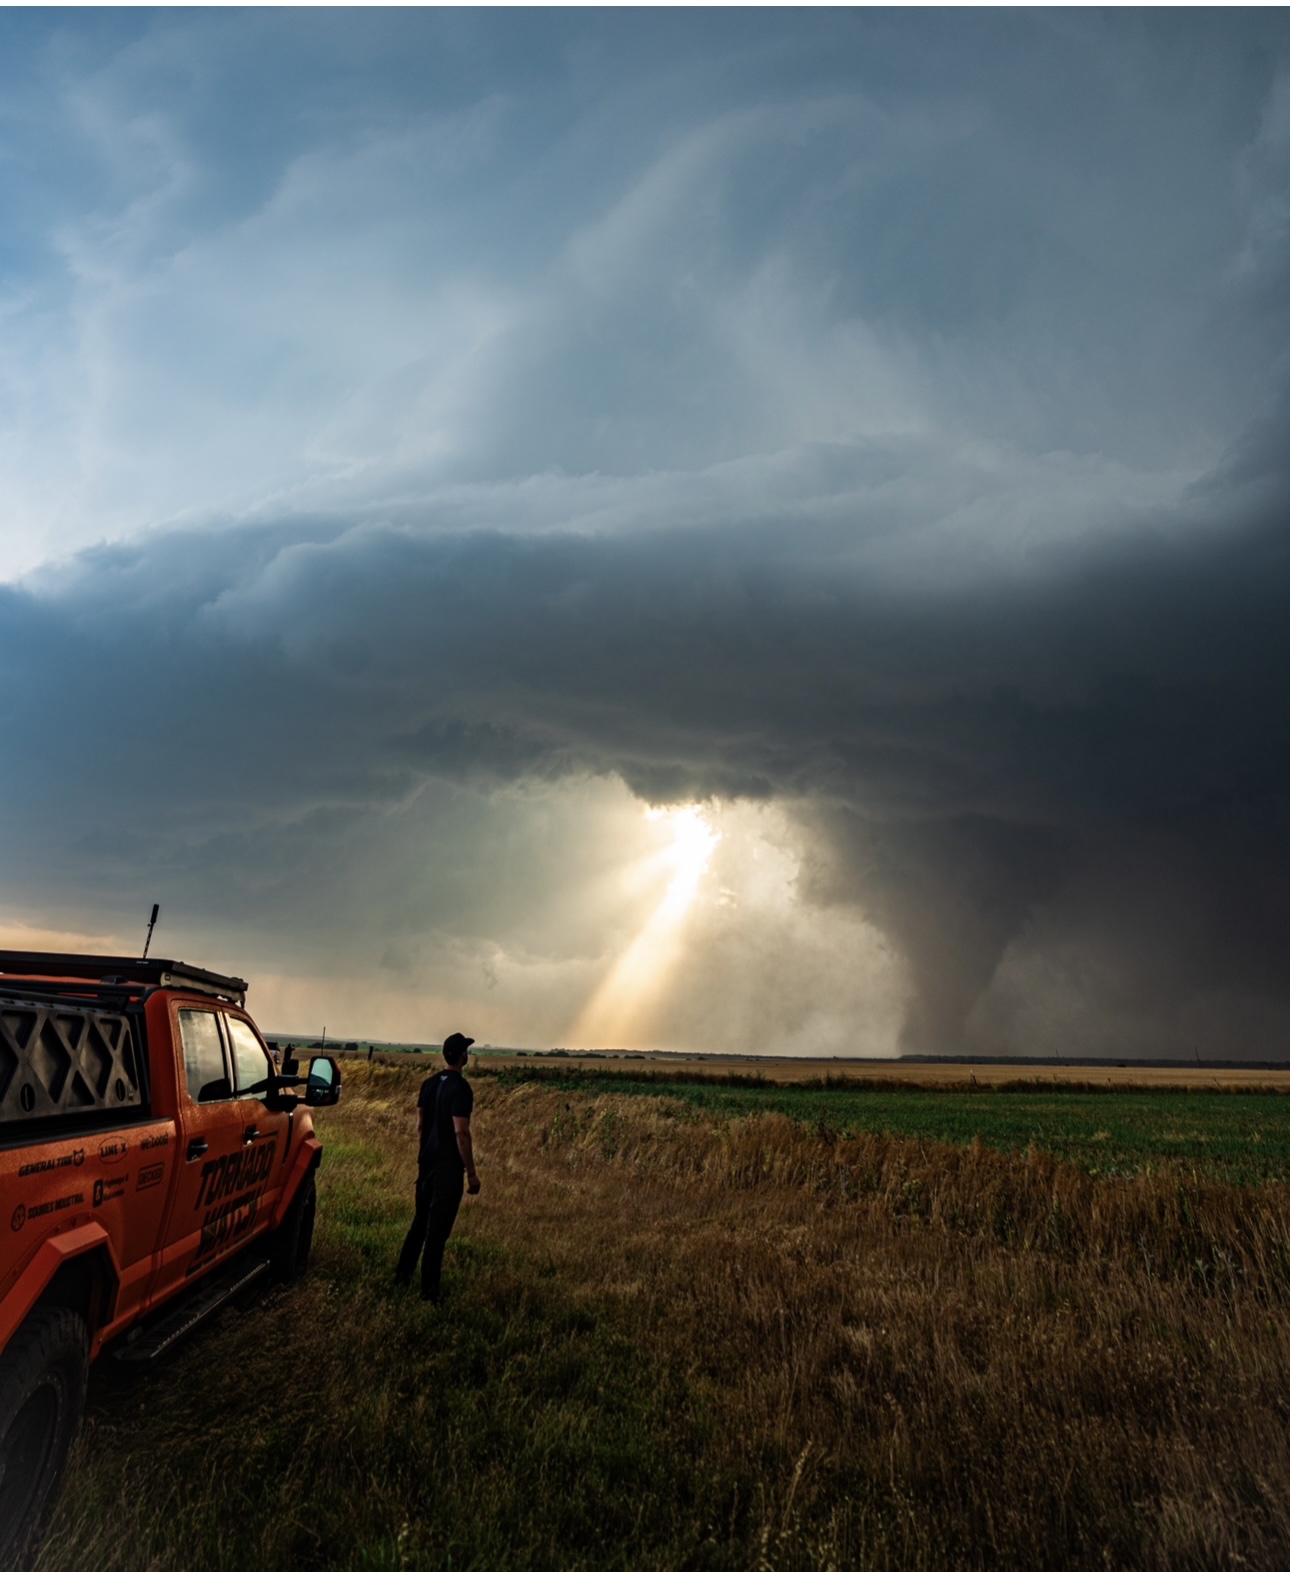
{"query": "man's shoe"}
(402, 1282)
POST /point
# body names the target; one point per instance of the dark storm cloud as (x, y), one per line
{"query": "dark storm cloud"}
(1091, 762)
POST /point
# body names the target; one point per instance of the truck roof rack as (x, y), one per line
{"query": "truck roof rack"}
(120, 970)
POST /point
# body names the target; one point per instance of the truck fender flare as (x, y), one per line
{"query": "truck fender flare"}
(55, 1253)
(308, 1156)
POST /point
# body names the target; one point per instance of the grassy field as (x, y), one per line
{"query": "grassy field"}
(687, 1330)
(1241, 1136)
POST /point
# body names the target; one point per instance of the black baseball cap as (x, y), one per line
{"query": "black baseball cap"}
(454, 1047)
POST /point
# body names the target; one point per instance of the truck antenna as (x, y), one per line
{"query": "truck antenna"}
(152, 923)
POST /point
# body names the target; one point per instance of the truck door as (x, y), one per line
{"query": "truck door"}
(210, 1155)
(266, 1131)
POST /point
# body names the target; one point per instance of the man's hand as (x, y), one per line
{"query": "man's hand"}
(472, 1184)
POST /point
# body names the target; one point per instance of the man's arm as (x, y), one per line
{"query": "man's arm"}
(467, 1149)
(421, 1113)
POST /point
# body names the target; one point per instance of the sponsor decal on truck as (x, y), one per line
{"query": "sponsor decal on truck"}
(47, 1164)
(25, 1214)
(110, 1189)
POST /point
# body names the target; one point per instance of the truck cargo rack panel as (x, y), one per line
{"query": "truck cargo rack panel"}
(60, 1057)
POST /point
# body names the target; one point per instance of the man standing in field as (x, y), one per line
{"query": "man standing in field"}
(444, 1158)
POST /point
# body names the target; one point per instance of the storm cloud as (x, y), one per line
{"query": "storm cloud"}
(871, 426)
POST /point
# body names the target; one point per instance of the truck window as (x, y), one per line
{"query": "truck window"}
(203, 1056)
(250, 1062)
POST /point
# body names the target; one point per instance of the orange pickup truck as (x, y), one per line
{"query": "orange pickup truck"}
(154, 1161)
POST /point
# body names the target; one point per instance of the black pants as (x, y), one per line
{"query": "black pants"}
(438, 1197)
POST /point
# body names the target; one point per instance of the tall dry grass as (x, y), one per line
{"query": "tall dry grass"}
(680, 1341)
(925, 1355)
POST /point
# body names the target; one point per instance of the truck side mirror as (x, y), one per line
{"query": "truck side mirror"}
(274, 1097)
(322, 1085)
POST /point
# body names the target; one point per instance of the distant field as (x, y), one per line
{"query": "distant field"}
(1240, 1136)
(677, 1339)
(952, 1074)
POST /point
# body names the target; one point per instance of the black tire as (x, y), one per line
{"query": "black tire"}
(42, 1397)
(290, 1250)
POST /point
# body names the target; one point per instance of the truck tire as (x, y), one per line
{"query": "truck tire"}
(42, 1396)
(290, 1250)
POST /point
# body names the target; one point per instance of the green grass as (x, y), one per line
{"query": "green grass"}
(1242, 1137)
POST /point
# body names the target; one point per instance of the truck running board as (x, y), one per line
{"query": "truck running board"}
(204, 1300)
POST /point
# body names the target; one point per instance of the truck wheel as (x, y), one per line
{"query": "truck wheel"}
(42, 1395)
(290, 1254)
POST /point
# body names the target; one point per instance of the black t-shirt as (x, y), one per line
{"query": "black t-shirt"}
(444, 1097)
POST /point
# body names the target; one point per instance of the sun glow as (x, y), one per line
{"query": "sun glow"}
(619, 1008)
(689, 854)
